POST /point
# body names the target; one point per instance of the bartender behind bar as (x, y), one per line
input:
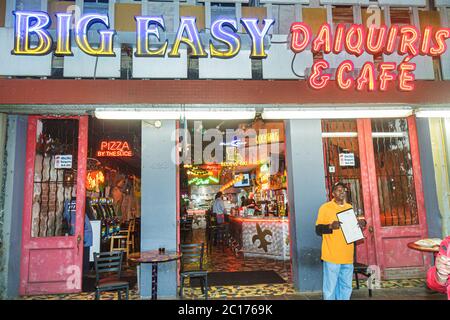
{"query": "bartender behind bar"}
(251, 204)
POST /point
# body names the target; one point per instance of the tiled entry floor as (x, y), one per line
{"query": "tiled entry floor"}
(225, 260)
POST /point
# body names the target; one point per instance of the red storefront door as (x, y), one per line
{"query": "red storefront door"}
(379, 161)
(394, 183)
(54, 203)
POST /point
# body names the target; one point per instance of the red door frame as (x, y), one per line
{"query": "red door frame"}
(49, 246)
(369, 249)
(370, 189)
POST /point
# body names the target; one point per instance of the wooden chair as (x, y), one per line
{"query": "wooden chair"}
(129, 232)
(192, 266)
(186, 228)
(109, 263)
(120, 243)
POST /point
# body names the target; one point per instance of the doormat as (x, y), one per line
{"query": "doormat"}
(240, 278)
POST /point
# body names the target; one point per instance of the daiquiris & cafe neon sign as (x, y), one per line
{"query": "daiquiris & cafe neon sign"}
(406, 40)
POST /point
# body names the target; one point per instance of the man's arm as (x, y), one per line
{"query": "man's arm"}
(323, 229)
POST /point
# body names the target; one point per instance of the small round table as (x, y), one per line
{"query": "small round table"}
(154, 257)
(415, 246)
(434, 249)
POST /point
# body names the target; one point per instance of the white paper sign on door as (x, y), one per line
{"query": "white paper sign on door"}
(63, 161)
(347, 159)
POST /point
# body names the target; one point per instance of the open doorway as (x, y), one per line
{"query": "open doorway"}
(241, 163)
(113, 193)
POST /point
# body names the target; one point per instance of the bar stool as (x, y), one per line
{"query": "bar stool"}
(120, 243)
(129, 233)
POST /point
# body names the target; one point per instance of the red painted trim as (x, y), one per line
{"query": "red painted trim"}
(117, 92)
(370, 244)
(373, 187)
(418, 182)
(290, 202)
(28, 198)
(81, 184)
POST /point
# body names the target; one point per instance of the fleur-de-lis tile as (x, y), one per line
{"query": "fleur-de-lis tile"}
(261, 236)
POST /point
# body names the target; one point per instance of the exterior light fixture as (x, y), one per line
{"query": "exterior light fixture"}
(433, 113)
(175, 114)
(335, 113)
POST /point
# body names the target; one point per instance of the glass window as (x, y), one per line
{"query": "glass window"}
(342, 161)
(28, 5)
(393, 163)
(55, 168)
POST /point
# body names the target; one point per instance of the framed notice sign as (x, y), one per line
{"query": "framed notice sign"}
(347, 159)
(63, 161)
(349, 225)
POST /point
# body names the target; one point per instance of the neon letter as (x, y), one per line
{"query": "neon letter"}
(105, 47)
(366, 77)
(299, 31)
(316, 80)
(219, 33)
(426, 41)
(345, 66)
(323, 39)
(338, 38)
(405, 76)
(23, 30)
(146, 26)
(378, 47)
(257, 36)
(63, 34)
(439, 38)
(391, 41)
(385, 75)
(187, 24)
(408, 40)
(352, 47)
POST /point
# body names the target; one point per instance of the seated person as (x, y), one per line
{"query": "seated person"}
(438, 276)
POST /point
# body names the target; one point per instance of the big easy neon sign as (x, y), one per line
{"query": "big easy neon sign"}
(356, 39)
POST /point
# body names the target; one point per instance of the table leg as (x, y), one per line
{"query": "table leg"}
(154, 281)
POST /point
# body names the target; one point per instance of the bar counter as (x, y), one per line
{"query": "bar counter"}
(262, 236)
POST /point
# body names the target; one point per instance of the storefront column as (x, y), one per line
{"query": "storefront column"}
(158, 203)
(436, 224)
(306, 187)
(441, 144)
(12, 205)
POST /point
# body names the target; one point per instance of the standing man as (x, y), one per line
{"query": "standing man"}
(219, 208)
(337, 255)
